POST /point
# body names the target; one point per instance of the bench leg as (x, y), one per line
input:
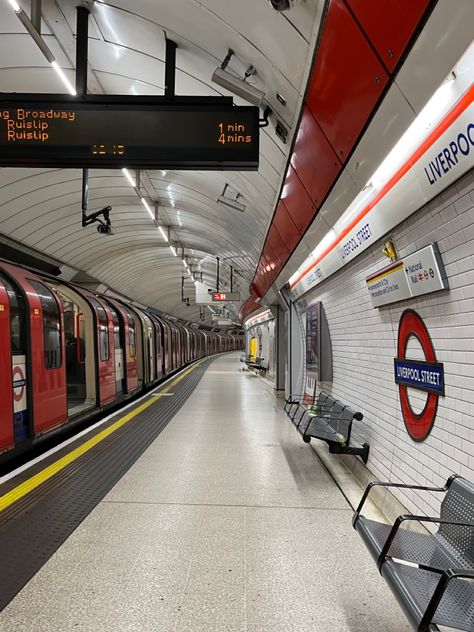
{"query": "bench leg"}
(363, 451)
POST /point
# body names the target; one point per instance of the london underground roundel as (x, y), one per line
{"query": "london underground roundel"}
(427, 375)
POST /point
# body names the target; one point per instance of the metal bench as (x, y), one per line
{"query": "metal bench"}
(431, 575)
(257, 364)
(331, 421)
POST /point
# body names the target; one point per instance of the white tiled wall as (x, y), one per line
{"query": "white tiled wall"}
(364, 341)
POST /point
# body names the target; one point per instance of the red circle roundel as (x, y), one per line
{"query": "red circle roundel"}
(418, 425)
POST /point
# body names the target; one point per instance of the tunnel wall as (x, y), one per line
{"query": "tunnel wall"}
(364, 345)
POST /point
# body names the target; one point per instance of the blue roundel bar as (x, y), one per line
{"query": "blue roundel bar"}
(426, 376)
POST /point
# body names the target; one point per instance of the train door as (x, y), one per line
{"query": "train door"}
(167, 361)
(119, 347)
(158, 346)
(79, 335)
(47, 354)
(129, 345)
(105, 353)
(149, 348)
(132, 373)
(14, 422)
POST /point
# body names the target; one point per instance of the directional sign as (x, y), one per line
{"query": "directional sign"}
(220, 297)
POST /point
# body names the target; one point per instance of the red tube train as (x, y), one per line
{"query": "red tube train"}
(67, 353)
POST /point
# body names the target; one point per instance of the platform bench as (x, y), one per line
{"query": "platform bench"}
(430, 574)
(331, 421)
(258, 364)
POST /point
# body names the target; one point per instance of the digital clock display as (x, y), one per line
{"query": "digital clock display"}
(142, 134)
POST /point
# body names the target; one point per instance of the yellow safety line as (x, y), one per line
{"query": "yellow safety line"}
(35, 481)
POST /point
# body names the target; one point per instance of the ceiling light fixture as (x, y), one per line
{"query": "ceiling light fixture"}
(15, 6)
(232, 203)
(238, 86)
(39, 41)
(146, 205)
(64, 79)
(165, 236)
(173, 250)
(126, 173)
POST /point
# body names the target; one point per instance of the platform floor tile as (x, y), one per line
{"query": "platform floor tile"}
(227, 523)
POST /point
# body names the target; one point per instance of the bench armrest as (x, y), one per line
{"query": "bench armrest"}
(370, 486)
(446, 577)
(408, 517)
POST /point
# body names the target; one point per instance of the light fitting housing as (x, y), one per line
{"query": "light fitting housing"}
(233, 204)
(238, 86)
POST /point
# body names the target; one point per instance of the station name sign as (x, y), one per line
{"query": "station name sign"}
(417, 274)
(138, 132)
(425, 376)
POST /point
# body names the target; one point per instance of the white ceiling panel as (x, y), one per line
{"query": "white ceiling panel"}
(393, 117)
(126, 56)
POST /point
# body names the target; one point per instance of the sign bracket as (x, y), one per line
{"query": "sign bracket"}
(101, 217)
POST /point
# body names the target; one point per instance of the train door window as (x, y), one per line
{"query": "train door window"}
(17, 318)
(115, 318)
(51, 325)
(131, 335)
(103, 331)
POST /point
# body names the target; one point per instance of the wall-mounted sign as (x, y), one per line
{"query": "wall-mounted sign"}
(420, 273)
(425, 375)
(104, 132)
(225, 296)
(259, 318)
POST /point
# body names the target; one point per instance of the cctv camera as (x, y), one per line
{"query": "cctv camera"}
(104, 229)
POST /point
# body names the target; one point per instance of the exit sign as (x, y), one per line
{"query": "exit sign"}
(225, 296)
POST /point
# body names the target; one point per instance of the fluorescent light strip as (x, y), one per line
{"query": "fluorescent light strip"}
(146, 205)
(173, 250)
(126, 173)
(15, 6)
(63, 77)
(164, 235)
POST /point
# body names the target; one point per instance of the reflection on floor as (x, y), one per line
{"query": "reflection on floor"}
(78, 405)
(227, 523)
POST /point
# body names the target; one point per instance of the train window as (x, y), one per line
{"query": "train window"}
(17, 318)
(51, 325)
(131, 335)
(103, 331)
(115, 318)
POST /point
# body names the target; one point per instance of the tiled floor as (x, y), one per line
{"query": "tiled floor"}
(228, 523)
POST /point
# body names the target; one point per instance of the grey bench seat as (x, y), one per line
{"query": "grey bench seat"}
(415, 589)
(331, 421)
(258, 364)
(430, 574)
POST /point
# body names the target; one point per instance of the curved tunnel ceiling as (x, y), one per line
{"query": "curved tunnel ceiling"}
(41, 208)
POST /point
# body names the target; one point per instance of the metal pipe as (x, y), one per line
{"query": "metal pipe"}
(85, 195)
(36, 15)
(217, 275)
(170, 69)
(39, 41)
(231, 279)
(82, 46)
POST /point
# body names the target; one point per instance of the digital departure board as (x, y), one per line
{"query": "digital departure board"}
(133, 132)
